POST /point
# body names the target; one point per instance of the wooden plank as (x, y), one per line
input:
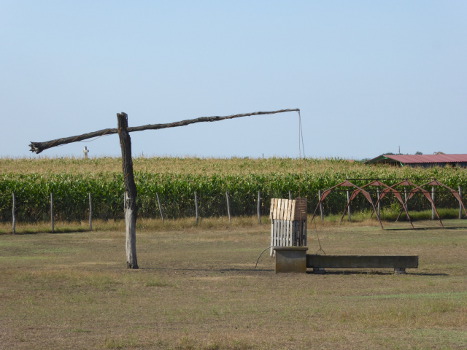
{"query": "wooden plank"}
(300, 209)
(271, 251)
(290, 209)
(293, 205)
(279, 209)
(283, 208)
(281, 233)
(272, 209)
(276, 209)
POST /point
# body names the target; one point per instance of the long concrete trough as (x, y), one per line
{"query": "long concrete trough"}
(295, 259)
(397, 262)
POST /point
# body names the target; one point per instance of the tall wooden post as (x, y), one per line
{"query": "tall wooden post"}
(378, 209)
(460, 203)
(13, 213)
(258, 207)
(90, 211)
(130, 191)
(160, 206)
(196, 209)
(321, 211)
(228, 204)
(348, 206)
(52, 219)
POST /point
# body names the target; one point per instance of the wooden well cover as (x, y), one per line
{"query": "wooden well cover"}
(288, 209)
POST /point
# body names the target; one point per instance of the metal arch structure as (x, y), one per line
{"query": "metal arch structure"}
(415, 189)
(391, 190)
(453, 192)
(387, 190)
(357, 190)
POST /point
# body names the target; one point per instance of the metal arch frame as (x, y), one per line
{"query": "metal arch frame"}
(387, 189)
(347, 183)
(416, 189)
(435, 182)
(391, 189)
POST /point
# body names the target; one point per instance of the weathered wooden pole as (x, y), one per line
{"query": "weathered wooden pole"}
(196, 209)
(321, 211)
(13, 213)
(379, 203)
(130, 191)
(228, 204)
(258, 207)
(52, 220)
(348, 206)
(433, 204)
(460, 203)
(160, 206)
(90, 211)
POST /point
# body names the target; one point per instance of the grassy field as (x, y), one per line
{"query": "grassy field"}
(198, 288)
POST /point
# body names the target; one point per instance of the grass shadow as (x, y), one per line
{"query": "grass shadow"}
(208, 270)
(382, 273)
(425, 228)
(61, 231)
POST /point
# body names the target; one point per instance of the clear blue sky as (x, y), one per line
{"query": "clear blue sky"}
(369, 76)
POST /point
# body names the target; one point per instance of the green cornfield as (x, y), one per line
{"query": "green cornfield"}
(175, 180)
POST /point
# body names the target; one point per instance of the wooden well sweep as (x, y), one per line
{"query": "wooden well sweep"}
(288, 223)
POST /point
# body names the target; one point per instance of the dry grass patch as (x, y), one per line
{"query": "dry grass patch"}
(199, 289)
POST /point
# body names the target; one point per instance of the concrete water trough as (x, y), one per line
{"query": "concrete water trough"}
(397, 262)
(295, 259)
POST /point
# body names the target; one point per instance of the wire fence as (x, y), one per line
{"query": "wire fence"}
(21, 207)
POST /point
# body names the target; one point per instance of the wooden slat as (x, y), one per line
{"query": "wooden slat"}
(271, 251)
(293, 204)
(300, 209)
(271, 209)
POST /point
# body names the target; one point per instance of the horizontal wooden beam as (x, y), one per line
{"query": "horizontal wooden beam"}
(38, 147)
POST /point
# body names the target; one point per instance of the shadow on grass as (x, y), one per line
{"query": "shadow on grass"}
(382, 273)
(426, 228)
(61, 231)
(208, 270)
(327, 272)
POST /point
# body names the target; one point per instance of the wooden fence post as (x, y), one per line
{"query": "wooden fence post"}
(258, 207)
(130, 191)
(379, 203)
(321, 212)
(228, 204)
(348, 207)
(160, 206)
(13, 214)
(460, 204)
(90, 211)
(52, 220)
(196, 208)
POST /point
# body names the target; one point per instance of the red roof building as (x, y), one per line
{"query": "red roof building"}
(422, 160)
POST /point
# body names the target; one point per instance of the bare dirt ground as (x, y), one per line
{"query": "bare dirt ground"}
(200, 289)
